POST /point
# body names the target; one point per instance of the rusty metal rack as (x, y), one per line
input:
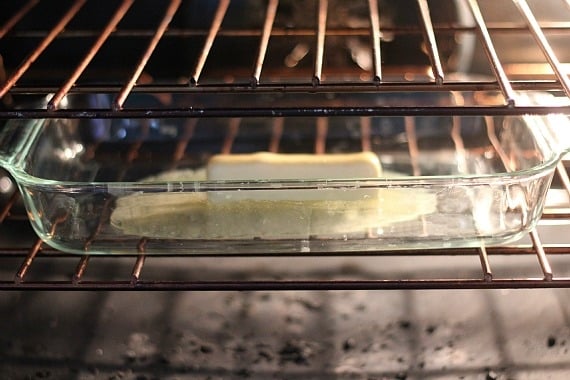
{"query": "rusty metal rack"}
(83, 46)
(27, 75)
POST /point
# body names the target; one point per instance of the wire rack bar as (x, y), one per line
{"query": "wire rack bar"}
(321, 35)
(338, 87)
(5, 211)
(137, 268)
(522, 250)
(162, 27)
(16, 17)
(264, 43)
(53, 33)
(541, 255)
(35, 249)
(554, 27)
(543, 43)
(105, 215)
(214, 28)
(80, 269)
(282, 112)
(550, 250)
(496, 65)
(25, 266)
(485, 265)
(431, 42)
(375, 35)
(435, 284)
(53, 104)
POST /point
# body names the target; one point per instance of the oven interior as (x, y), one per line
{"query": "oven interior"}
(493, 312)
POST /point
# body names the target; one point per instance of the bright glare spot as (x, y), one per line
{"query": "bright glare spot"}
(6, 184)
(122, 133)
(64, 102)
(70, 152)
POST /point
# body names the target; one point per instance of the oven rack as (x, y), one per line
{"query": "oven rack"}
(137, 282)
(259, 77)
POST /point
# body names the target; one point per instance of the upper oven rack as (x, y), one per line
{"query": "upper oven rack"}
(258, 76)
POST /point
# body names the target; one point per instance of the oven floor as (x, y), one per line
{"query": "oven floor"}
(372, 335)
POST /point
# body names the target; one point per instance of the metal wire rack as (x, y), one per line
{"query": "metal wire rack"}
(25, 77)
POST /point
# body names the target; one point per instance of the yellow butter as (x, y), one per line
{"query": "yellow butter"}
(278, 213)
(293, 167)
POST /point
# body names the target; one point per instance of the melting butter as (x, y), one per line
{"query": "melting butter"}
(273, 214)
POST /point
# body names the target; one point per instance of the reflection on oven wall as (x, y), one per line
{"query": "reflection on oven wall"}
(519, 52)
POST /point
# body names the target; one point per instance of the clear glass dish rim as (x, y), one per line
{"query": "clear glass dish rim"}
(24, 179)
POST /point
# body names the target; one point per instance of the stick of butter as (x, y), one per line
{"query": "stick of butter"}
(265, 165)
(295, 167)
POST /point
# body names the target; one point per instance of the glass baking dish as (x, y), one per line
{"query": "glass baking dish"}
(126, 186)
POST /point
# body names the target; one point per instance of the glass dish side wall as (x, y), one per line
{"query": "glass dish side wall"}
(101, 186)
(465, 214)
